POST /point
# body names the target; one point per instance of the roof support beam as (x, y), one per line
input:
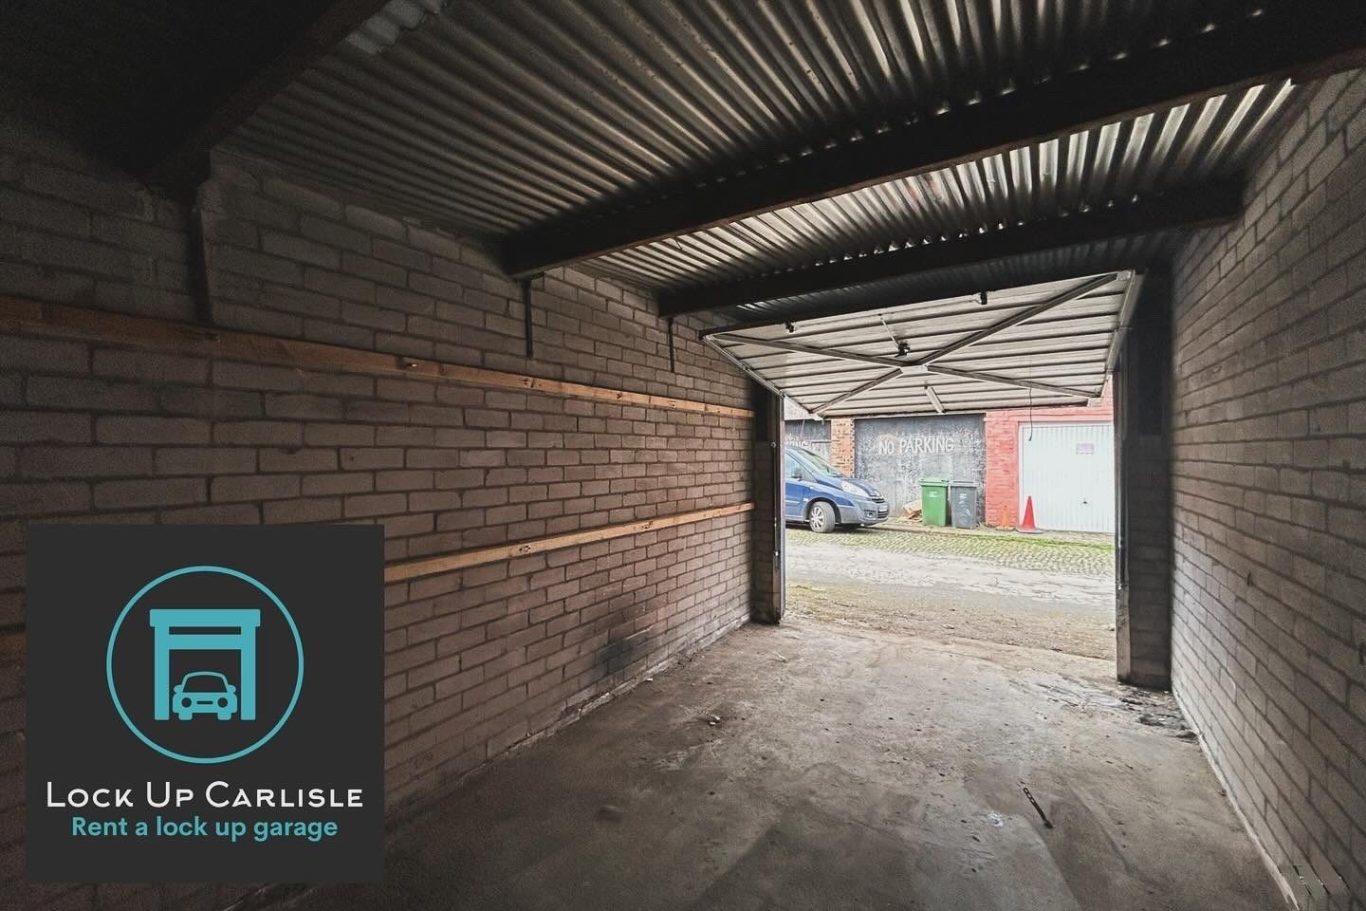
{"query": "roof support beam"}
(934, 399)
(796, 348)
(1303, 38)
(1192, 207)
(1011, 381)
(846, 396)
(250, 69)
(1023, 316)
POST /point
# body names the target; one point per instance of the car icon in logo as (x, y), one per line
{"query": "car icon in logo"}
(204, 693)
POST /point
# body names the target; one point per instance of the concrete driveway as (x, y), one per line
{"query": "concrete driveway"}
(1046, 592)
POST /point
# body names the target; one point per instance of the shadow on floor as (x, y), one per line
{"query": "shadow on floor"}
(847, 770)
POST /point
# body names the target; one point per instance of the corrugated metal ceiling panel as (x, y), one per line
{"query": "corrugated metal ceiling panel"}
(1118, 162)
(560, 106)
(495, 117)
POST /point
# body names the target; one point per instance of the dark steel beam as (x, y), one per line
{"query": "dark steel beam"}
(1300, 39)
(243, 73)
(1183, 208)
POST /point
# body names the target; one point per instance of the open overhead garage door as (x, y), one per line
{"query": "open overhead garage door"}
(1046, 344)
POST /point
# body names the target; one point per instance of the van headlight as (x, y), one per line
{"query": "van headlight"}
(854, 489)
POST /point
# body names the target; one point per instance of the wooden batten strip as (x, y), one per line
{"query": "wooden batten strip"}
(12, 639)
(412, 569)
(185, 338)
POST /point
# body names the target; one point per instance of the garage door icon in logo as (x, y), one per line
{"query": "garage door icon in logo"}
(204, 691)
(210, 683)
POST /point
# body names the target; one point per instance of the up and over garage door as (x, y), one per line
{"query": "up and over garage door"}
(1069, 470)
(1034, 346)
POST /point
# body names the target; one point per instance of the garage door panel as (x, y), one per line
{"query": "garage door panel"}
(1096, 341)
(1068, 470)
(1043, 344)
(1088, 360)
(804, 374)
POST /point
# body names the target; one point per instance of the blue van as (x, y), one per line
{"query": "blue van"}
(823, 498)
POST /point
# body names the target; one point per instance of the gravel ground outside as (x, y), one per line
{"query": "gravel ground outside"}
(1088, 555)
(1094, 538)
(1038, 592)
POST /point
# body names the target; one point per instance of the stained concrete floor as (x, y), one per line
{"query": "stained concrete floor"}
(849, 769)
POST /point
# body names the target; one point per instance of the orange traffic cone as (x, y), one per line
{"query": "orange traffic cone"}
(1027, 526)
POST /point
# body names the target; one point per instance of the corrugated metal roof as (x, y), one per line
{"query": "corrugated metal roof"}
(1118, 162)
(506, 114)
(495, 117)
(1043, 344)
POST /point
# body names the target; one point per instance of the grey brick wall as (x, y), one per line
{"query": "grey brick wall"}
(288, 261)
(1269, 607)
(478, 660)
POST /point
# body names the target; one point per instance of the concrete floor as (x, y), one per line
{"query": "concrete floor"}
(849, 769)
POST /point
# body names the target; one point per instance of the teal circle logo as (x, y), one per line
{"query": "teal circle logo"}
(224, 700)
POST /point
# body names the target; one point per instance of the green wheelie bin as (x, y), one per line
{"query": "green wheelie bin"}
(934, 501)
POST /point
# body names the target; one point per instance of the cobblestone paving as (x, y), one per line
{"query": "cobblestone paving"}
(1072, 557)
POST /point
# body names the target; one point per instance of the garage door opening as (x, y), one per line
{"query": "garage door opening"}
(1051, 591)
(949, 467)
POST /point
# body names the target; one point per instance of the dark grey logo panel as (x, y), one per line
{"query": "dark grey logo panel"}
(205, 704)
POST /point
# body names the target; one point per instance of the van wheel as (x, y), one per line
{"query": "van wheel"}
(821, 518)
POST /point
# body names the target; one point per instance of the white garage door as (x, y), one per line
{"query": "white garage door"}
(1069, 470)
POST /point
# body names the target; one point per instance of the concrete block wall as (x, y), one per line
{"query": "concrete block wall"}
(1269, 423)
(477, 660)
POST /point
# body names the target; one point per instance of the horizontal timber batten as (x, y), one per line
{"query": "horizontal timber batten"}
(412, 569)
(13, 637)
(184, 338)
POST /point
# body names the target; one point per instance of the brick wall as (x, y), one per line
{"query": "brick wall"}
(477, 660)
(842, 444)
(1270, 498)
(1002, 495)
